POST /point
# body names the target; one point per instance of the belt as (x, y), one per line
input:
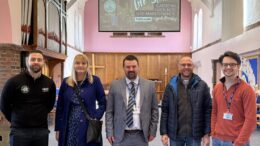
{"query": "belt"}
(133, 131)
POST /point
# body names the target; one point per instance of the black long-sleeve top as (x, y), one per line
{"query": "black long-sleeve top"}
(26, 102)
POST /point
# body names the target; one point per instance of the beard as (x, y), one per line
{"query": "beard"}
(131, 75)
(35, 68)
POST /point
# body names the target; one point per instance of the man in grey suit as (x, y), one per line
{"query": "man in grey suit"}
(132, 109)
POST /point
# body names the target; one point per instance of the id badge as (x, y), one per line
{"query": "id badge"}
(228, 116)
(136, 110)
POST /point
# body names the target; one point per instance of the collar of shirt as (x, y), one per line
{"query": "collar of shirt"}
(136, 81)
(223, 79)
(30, 76)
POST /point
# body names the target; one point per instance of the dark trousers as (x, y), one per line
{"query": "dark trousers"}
(132, 138)
(186, 141)
(29, 137)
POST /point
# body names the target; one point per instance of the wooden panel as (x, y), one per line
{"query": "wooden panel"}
(110, 67)
(100, 62)
(159, 67)
(164, 69)
(153, 66)
(119, 66)
(143, 65)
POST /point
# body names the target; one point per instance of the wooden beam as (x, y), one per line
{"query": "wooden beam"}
(52, 54)
(94, 66)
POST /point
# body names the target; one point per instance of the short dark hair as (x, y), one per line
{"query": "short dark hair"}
(130, 58)
(230, 54)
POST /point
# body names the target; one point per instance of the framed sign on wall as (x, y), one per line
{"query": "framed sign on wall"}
(250, 71)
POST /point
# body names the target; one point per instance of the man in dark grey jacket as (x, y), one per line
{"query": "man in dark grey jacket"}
(186, 108)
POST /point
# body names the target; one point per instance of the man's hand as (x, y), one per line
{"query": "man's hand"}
(57, 135)
(206, 140)
(111, 139)
(165, 139)
(1, 118)
(151, 138)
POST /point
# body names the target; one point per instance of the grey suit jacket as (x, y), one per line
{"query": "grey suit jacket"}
(116, 109)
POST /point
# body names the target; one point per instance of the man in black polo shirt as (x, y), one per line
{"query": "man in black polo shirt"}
(26, 100)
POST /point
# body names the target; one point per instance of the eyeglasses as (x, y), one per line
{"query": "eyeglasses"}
(232, 65)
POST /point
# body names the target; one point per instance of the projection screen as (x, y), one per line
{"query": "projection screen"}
(139, 15)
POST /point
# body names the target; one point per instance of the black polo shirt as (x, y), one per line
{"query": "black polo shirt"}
(26, 102)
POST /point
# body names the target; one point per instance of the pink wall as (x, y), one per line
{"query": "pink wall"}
(5, 22)
(102, 42)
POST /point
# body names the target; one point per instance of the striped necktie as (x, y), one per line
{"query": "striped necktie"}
(131, 103)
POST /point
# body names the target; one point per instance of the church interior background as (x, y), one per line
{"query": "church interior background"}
(62, 29)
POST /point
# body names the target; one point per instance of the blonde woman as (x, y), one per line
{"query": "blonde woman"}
(71, 124)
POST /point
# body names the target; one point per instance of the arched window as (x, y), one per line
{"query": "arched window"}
(245, 13)
(195, 32)
(81, 32)
(200, 29)
(78, 30)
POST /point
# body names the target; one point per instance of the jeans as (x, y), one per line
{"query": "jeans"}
(29, 137)
(188, 141)
(218, 142)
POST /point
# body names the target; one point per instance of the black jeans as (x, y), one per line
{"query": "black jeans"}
(29, 137)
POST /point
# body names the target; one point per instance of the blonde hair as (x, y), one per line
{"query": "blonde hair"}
(72, 81)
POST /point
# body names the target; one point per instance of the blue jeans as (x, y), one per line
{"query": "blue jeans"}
(188, 141)
(29, 137)
(218, 142)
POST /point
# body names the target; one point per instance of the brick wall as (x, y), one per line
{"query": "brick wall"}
(9, 66)
(9, 62)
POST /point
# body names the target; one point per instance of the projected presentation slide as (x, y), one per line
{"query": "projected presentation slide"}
(139, 15)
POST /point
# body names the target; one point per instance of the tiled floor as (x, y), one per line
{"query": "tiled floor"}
(255, 138)
(254, 141)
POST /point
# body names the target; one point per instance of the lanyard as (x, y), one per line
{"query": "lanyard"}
(228, 102)
(136, 89)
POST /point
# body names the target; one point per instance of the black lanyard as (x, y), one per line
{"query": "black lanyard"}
(228, 102)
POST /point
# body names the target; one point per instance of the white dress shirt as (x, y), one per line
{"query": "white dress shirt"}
(136, 112)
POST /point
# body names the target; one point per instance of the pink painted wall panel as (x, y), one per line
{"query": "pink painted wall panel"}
(5, 22)
(102, 42)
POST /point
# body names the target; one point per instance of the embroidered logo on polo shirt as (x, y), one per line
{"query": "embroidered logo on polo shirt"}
(45, 89)
(25, 89)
